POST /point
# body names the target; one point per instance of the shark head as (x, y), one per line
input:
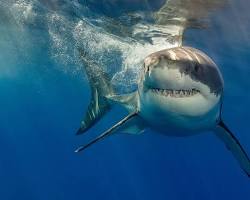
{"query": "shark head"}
(181, 83)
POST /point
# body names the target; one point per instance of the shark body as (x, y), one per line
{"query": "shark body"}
(180, 93)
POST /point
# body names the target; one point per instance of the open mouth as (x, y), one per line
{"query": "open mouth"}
(175, 93)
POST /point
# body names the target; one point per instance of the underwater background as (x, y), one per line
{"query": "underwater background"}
(44, 94)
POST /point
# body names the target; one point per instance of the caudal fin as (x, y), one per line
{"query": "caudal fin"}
(100, 89)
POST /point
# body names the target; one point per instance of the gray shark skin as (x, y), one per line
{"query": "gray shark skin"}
(179, 94)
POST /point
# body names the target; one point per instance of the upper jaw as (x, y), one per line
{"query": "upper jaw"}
(177, 93)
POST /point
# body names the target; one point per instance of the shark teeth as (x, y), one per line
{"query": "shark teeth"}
(175, 93)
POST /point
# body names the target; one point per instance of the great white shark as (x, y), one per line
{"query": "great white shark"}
(180, 93)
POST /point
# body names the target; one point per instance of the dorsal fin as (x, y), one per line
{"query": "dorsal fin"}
(100, 88)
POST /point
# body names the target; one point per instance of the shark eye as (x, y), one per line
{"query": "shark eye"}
(196, 68)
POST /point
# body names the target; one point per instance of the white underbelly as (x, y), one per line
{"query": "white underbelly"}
(173, 124)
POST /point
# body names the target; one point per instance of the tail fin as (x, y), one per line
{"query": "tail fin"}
(100, 88)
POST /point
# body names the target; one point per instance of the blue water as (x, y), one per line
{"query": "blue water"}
(44, 94)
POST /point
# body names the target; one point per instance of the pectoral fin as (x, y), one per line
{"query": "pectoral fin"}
(233, 144)
(135, 126)
(130, 124)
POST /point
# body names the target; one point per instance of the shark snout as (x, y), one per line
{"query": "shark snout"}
(159, 77)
